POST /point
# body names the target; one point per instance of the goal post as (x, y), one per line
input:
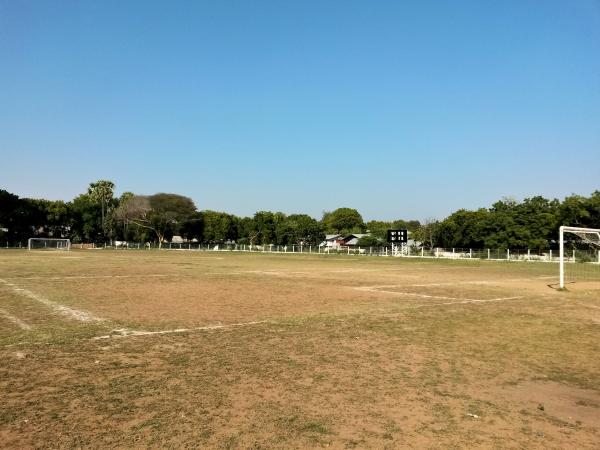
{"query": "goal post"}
(584, 255)
(48, 244)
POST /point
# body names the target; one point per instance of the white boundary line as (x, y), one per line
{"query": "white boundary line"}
(441, 297)
(14, 319)
(121, 333)
(466, 301)
(77, 277)
(460, 283)
(125, 332)
(71, 313)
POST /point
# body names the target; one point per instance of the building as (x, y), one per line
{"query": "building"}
(352, 240)
(332, 241)
(337, 241)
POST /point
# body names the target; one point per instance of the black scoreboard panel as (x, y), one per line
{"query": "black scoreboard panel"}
(397, 236)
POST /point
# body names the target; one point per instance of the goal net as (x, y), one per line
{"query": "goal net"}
(48, 244)
(579, 255)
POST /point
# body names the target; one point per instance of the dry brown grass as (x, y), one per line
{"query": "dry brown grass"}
(349, 352)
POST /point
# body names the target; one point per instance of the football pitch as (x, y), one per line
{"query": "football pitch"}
(104, 348)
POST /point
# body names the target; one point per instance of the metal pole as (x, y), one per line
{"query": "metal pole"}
(561, 241)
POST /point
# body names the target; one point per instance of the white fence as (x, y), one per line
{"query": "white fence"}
(547, 255)
(572, 255)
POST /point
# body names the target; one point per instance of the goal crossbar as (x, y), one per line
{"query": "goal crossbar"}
(589, 235)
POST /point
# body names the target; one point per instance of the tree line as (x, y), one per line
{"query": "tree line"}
(532, 223)
(98, 216)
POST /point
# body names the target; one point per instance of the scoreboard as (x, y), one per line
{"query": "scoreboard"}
(397, 236)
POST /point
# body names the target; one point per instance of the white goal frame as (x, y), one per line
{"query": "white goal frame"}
(67, 247)
(575, 230)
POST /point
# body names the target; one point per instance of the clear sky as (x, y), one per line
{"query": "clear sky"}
(396, 108)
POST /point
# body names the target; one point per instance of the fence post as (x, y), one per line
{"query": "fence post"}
(488, 253)
(550, 255)
(470, 253)
(508, 254)
(528, 255)
(452, 253)
(573, 255)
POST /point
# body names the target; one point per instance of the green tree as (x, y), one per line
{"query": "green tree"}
(410, 225)
(162, 213)
(219, 227)
(463, 228)
(378, 229)
(264, 227)
(573, 212)
(536, 220)
(370, 241)
(86, 220)
(427, 233)
(124, 232)
(299, 229)
(193, 227)
(592, 205)
(343, 220)
(16, 216)
(102, 193)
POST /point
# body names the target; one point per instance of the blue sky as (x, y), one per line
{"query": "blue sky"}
(399, 109)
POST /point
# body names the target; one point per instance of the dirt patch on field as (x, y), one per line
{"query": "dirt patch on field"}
(569, 404)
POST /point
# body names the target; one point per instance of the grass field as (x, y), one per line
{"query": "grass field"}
(205, 349)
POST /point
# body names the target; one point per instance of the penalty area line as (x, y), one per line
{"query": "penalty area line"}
(467, 301)
(85, 277)
(71, 313)
(440, 297)
(125, 332)
(14, 319)
(412, 294)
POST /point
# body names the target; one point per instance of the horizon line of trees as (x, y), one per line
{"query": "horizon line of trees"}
(98, 216)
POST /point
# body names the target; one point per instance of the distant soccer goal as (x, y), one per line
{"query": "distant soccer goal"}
(48, 244)
(579, 255)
